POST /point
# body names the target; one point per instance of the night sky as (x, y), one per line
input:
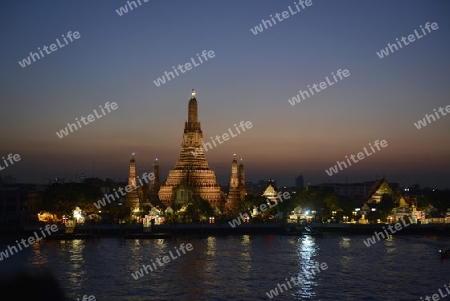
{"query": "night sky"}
(250, 78)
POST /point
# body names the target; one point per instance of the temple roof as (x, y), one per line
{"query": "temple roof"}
(379, 187)
(269, 191)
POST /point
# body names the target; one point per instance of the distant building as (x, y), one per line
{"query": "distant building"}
(353, 190)
(250, 189)
(299, 183)
(363, 192)
(10, 179)
(19, 203)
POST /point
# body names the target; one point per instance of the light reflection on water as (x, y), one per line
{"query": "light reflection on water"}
(307, 251)
(241, 267)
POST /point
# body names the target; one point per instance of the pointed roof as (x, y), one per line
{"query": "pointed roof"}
(365, 207)
(270, 191)
(379, 183)
(403, 203)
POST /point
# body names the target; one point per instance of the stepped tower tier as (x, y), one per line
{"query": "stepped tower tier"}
(192, 175)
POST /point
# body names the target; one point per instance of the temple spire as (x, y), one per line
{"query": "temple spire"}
(132, 197)
(193, 114)
(155, 184)
(192, 175)
(241, 177)
(132, 172)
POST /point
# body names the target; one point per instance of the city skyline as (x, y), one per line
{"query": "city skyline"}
(103, 57)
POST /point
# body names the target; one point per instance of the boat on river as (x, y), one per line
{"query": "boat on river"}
(444, 253)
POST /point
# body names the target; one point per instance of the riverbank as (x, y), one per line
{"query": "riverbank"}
(174, 230)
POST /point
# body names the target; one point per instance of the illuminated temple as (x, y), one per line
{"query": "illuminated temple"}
(192, 176)
(191, 179)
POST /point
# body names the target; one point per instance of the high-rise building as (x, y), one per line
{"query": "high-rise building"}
(299, 182)
(192, 177)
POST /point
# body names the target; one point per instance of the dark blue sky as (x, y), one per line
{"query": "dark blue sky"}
(251, 78)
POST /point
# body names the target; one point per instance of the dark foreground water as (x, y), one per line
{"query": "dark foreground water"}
(242, 267)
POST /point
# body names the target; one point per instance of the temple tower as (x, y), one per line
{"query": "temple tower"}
(192, 176)
(132, 197)
(155, 184)
(132, 172)
(241, 176)
(233, 204)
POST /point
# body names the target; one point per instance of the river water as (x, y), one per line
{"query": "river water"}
(244, 267)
